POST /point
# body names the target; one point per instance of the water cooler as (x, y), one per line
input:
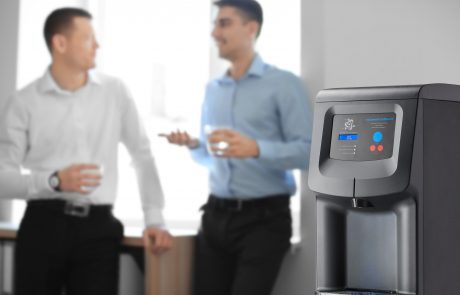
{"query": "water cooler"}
(385, 167)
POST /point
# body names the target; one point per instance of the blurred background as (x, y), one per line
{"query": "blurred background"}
(164, 53)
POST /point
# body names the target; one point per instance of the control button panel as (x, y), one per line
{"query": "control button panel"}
(363, 137)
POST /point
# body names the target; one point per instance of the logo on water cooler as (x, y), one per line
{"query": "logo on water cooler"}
(349, 124)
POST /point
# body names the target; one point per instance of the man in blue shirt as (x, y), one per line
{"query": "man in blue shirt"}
(255, 128)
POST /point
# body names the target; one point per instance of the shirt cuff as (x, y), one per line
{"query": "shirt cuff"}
(154, 217)
(267, 150)
(39, 184)
(194, 147)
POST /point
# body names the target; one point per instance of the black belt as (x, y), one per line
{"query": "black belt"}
(82, 210)
(239, 204)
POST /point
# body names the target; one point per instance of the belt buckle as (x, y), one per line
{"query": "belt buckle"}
(78, 210)
(238, 207)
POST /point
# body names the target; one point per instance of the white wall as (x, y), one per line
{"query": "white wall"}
(385, 42)
(9, 21)
(297, 276)
(367, 43)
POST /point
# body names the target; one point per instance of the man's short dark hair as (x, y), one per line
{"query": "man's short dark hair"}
(61, 20)
(250, 8)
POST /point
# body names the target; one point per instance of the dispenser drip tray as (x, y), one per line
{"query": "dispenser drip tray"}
(357, 292)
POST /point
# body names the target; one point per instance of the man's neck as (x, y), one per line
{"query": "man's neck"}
(67, 78)
(241, 64)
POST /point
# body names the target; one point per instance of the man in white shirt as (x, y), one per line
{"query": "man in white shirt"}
(65, 128)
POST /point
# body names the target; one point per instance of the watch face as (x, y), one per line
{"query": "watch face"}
(54, 182)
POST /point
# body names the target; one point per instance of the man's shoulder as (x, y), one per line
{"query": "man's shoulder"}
(106, 80)
(21, 100)
(28, 91)
(284, 80)
(273, 72)
(214, 83)
(114, 89)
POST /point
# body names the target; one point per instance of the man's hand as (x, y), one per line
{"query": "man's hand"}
(237, 144)
(181, 138)
(76, 178)
(157, 240)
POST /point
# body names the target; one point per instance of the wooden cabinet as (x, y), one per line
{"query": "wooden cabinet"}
(167, 274)
(170, 273)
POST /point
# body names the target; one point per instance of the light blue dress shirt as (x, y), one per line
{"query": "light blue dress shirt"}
(270, 106)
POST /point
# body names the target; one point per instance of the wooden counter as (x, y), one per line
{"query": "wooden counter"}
(168, 274)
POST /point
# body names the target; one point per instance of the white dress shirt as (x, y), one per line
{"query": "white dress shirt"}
(45, 129)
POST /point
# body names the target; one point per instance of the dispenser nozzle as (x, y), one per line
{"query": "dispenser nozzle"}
(361, 203)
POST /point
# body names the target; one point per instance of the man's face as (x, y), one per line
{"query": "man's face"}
(232, 33)
(80, 45)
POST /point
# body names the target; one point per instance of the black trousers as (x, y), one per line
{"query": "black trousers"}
(240, 246)
(56, 251)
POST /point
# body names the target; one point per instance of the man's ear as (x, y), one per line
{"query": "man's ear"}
(59, 43)
(253, 29)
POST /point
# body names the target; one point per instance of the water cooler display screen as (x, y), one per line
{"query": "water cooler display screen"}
(363, 137)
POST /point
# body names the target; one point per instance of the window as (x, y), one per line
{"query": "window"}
(163, 51)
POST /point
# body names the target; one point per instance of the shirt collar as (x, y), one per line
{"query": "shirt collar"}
(48, 84)
(257, 69)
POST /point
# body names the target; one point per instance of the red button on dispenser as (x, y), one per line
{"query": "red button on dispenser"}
(380, 148)
(372, 148)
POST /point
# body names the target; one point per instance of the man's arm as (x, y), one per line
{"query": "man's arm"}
(296, 126)
(136, 141)
(14, 185)
(197, 146)
(199, 152)
(14, 123)
(14, 129)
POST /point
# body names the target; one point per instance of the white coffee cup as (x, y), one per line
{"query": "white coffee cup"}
(220, 146)
(97, 171)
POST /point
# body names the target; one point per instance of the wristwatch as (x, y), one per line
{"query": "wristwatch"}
(55, 182)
